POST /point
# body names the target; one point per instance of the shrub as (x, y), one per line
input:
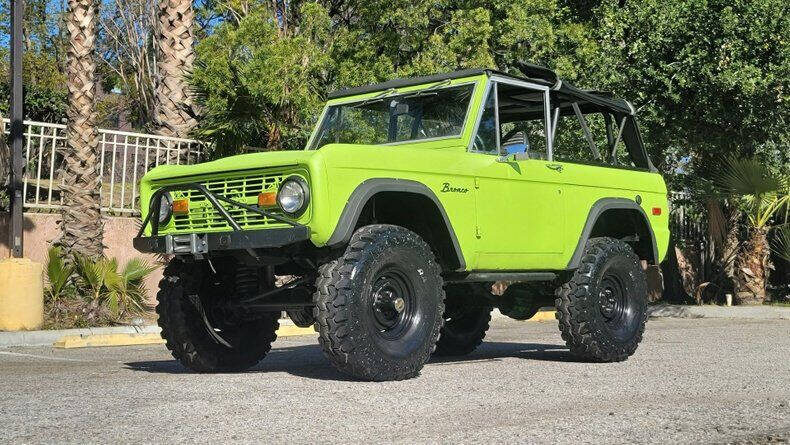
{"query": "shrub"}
(86, 292)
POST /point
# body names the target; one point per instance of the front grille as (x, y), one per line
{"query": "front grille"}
(203, 216)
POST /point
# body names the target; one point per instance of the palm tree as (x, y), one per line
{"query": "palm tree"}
(82, 223)
(174, 113)
(762, 194)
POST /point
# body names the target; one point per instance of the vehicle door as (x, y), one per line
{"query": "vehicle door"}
(519, 191)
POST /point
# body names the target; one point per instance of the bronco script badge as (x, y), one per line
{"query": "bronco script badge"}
(447, 188)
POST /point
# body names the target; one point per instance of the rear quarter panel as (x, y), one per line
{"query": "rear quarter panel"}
(586, 184)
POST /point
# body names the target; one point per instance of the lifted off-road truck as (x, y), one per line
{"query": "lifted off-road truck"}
(410, 200)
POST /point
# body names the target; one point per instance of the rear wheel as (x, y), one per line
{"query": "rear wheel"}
(379, 306)
(467, 316)
(602, 309)
(198, 330)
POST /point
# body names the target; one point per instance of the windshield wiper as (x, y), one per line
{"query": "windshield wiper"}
(377, 98)
(428, 91)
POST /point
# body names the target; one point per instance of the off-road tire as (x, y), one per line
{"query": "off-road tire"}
(467, 316)
(580, 311)
(345, 311)
(186, 335)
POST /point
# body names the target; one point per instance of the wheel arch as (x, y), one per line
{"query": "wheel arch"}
(618, 218)
(420, 211)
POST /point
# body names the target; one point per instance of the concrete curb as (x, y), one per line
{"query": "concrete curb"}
(111, 336)
(544, 314)
(711, 311)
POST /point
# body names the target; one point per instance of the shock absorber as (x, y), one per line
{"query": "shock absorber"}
(252, 280)
(248, 280)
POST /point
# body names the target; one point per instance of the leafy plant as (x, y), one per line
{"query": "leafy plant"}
(125, 291)
(762, 194)
(58, 274)
(101, 292)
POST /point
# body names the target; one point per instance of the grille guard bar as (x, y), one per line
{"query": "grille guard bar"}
(213, 198)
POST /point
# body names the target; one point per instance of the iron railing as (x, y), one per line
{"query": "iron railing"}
(125, 158)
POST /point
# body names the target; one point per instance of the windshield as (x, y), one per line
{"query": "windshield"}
(388, 118)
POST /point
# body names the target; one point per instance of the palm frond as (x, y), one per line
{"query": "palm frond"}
(747, 177)
(58, 273)
(136, 269)
(781, 244)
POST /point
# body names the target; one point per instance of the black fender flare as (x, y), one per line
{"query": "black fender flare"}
(370, 187)
(596, 210)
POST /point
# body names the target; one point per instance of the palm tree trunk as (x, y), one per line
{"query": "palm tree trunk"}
(174, 112)
(82, 223)
(753, 265)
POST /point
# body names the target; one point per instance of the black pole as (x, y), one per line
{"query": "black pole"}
(16, 234)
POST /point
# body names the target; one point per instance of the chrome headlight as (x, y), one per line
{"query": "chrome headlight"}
(293, 196)
(165, 209)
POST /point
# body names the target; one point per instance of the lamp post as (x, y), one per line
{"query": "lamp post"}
(16, 232)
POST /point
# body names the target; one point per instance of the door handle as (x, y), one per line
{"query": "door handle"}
(555, 167)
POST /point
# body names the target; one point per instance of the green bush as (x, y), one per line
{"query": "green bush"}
(87, 292)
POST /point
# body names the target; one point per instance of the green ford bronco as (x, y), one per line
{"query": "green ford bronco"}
(394, 232)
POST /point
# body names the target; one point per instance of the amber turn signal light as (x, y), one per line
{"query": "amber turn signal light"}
(267, 199)
(181, 206)
(656, 211)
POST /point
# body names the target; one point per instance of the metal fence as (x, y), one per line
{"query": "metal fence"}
(686, 222)
(125, 158)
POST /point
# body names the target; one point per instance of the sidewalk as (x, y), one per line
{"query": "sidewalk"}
(712, 311)
(110, 336)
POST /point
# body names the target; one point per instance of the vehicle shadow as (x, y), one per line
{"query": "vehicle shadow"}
(309, 362)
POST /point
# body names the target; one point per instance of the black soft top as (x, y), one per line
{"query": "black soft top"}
(565, 97)
(530, 72)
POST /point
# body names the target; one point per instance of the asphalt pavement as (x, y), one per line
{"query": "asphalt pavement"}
(691, 381)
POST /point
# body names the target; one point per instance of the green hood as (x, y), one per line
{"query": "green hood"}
(233, 163)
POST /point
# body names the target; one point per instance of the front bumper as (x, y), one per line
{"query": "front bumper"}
(202, 243)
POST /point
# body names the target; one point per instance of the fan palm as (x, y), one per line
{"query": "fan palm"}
(175, 40)
(762, 194)
(82, 221)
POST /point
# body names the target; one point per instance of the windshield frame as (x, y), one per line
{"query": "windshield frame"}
(475, 81)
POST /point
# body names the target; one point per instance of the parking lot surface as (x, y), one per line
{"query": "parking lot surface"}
(691, 381)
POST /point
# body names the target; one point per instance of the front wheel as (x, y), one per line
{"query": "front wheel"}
(197, 331)
(602, 309)
(379, 306)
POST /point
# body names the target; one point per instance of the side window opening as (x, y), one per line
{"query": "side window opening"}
(513, 121)
(588, 135)
(522, 121)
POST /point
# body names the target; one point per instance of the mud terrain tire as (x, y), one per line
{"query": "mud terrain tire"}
(187, 336)
(602, 309)
(379, 306)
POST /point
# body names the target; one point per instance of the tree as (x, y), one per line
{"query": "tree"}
(44, 93)
(763, 194)
(129, 51)
(261, 75)
(82, 223)
(174, 114)
(710, 78)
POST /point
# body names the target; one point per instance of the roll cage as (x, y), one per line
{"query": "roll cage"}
(560, 99)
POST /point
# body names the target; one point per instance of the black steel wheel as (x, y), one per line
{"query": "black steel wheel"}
(467, 316)
(199, 330)
(379, 306)
(602, 309)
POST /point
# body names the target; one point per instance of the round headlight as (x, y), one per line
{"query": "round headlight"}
(165, 209)
(293, 196)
